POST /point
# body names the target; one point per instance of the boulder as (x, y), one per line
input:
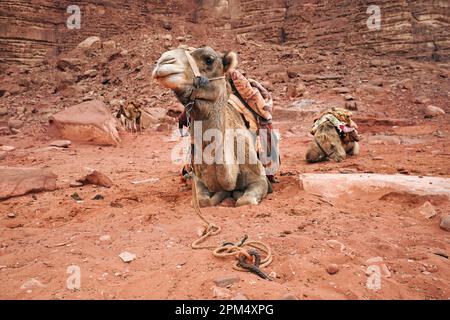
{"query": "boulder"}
(90, 121)
(433, 111)
(97, 178)
(373, 185)
(90, 43)
(19, 181)
(445, 223)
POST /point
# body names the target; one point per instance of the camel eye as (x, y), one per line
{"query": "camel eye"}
(209, 61)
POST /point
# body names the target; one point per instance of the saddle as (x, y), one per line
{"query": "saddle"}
(341, 120)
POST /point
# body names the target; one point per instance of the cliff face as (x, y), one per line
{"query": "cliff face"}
(411, 28)
(29, 30)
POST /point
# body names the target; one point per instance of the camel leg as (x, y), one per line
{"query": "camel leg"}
(209, 199)
(352, 148)
(253, 194)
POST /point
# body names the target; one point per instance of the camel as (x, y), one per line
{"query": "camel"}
(198, 80)
(327, 144)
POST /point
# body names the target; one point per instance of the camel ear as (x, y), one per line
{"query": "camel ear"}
(230, 61)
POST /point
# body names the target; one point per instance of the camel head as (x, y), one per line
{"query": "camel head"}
(191, 72)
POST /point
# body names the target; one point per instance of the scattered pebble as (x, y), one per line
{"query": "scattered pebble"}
(226, 281)
(288, 296)
(105, 238)
(75, 184)
(75, 196)
(332, 268)
(445, 223)
(61, 143)
(98, 197)
(11, 215)
(7, 148)
(240, 296)
(221, 293)
(127, 256)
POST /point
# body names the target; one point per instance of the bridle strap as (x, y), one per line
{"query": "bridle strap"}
(195, 69)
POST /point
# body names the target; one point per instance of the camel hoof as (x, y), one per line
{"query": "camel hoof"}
(245, 201)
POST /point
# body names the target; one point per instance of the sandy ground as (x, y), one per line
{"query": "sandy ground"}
(155, 221)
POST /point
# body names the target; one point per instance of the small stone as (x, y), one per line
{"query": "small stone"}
(97, 178)
(7, 148)
(15, 124)
(75, 184)
(127, 256)
(332, 268)
(426, 210)
(433, 111)
(221, 293)
(98, 197)
(109, 45)
(61, 143)
(445, 223)
(226, 281)
(32, 283)
(105, 238)
(240, 296)
(373, 260)
(348, 97)
(75, 196)
(167, 37)
(11, 215)
(3, 111)
(288, 296)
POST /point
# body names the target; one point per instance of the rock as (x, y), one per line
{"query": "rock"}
(433, 111)
(167, 37)
(11, 215)
(332, 268)
(166, 24)
(383, 139)
(127, 257)
(61, 143)
(19, 181)
(342, 90)
(109, 45)
(32, 283)
(288, 296)
(407, 84)
(370, 89)
(374, 186)
(295, 91)
(241, 39)
(65, 80)
(226, 281)
(105, 238)
(3, 111)
(75, 196)
(65, 64)
(90, 43)
(445, 223)
(7, 148)
(240, 296)
(221, 293)
(348, 97)
(97, 178)
(90, 121)
(91, 73)
(426, 210)
(75, 184)
(15, 124)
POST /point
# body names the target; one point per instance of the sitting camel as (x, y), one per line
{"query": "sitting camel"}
(198, 80)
